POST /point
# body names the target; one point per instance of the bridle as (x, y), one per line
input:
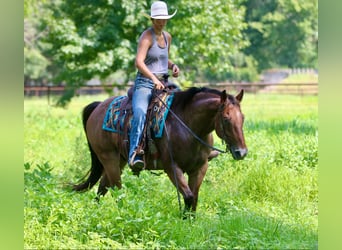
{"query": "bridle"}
(225, 136)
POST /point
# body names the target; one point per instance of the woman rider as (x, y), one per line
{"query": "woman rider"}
(152, 62)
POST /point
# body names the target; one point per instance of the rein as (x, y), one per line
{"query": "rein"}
(225, 136)
(174, 170)
(189, 129)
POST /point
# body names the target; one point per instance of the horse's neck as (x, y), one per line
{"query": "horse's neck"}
(202, 114)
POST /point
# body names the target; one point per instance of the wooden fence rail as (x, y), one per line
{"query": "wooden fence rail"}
(277, 88)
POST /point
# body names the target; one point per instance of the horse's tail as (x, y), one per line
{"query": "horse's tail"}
(96, 169)
(87, 112)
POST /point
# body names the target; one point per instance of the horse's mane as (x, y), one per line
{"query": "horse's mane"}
(182, 98)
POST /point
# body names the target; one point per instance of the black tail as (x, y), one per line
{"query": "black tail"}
(96, 169)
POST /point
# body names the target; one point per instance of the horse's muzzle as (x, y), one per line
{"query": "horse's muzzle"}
(238, 153)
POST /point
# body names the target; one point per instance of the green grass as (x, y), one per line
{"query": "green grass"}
(267, 201)
(292, 84)
(301, 78)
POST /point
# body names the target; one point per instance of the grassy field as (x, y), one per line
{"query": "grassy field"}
(301, 78)
(267, 201)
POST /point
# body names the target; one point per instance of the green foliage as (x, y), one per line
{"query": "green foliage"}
(206, 34)
(267, 201)
(282, 33)
(35, 61)
(244, 69)
(32, 6)
(226, 40)
(98, 38)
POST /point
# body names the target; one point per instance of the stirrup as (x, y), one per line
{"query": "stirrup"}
(135, 153)
(134, 159)
(136, 164)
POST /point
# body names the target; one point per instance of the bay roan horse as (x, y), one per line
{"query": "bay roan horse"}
(201, 110)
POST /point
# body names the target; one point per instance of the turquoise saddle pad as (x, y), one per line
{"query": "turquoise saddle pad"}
(114, 121)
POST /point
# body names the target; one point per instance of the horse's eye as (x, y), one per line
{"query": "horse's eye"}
(226, 120)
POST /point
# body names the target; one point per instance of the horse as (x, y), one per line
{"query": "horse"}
(184, 147)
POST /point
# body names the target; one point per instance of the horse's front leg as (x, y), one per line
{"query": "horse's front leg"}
(177, 177)
(195, 181)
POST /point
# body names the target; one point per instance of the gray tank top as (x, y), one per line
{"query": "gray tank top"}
(157, 57)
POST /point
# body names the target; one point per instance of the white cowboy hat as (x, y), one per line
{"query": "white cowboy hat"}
(159, 11)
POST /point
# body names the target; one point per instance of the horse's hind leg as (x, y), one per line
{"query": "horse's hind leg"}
(112, 174)
(103, 186)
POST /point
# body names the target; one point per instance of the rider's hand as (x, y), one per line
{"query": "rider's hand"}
(175, 70)
(158, 84)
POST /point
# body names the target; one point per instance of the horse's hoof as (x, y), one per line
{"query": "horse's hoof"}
(189, 215)
(97, 199)
(136, 172)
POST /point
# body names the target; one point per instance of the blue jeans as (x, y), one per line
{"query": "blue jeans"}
(141, 98)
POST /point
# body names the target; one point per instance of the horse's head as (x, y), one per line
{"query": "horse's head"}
(229, 124)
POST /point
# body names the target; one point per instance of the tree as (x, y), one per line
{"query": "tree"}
(207, 34)
(35, 63)
(97, 38)
(282, 33)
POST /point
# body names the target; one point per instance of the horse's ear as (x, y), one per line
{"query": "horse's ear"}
(239, 96)
(223, 96)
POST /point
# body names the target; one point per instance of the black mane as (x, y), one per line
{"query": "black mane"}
(182, 98)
